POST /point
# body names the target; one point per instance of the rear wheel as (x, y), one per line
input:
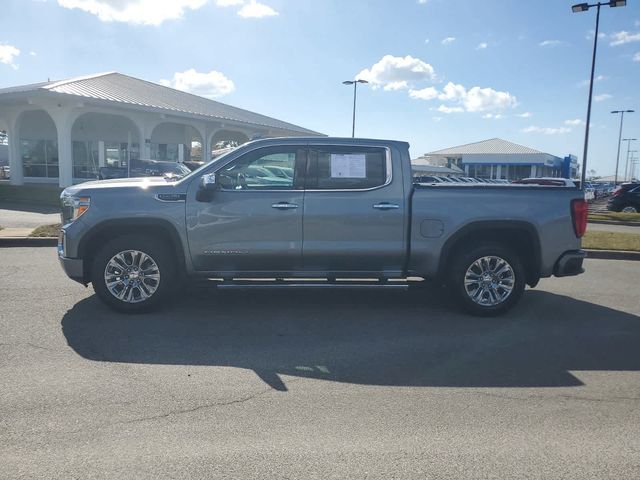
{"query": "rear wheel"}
(134, 273)
(488, 279)
(630, 209)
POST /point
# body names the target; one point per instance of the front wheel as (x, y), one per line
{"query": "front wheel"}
(630, 209)
(133, 273)
(488, 279)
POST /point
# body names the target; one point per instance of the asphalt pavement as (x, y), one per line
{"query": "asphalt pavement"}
(318, 384)
(20, 215)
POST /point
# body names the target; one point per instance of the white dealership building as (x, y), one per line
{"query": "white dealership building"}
(498, 158)
(62, 132)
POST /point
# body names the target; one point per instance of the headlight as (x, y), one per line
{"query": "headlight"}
(74, 207)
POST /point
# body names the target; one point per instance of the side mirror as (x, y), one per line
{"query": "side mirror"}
(208, 182)
(208, 185)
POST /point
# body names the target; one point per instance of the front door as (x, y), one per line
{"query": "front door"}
(253, 222)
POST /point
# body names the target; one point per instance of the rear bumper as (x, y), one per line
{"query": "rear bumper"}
(570, 263)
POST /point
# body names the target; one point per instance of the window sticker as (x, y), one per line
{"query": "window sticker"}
(350, 165)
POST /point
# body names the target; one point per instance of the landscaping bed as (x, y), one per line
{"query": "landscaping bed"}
(595, 240)
(46, 231)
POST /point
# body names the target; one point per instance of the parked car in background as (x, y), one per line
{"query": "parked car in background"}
(193, 164)
(145, 168)
(428, 179)
(5, 172)
(626, 198)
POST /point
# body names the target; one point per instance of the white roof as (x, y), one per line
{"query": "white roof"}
(119, 88)
(493, 146)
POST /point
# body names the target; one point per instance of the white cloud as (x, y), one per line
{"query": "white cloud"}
(206, 84)
(428, 93)
(602, 97)
(394, 73)
(546, 130)
(636, 57)
(495, 116)
(448, 40)
(8, 53)
(451, 92)
(524, 115)
(475, 99)
(620, 38)
(601, 35)
(482, 46)
(574, 123)
(599, 78)
(445, 109)
(550, 43)
(422, 2)
(229, 3)
(138, 12)
(253, 9)
(482, 99)
(426, 40)
(32, 53)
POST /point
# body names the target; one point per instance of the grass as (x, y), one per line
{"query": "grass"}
(615, 216)
(611, 241)
(31, 194)
(46, 231)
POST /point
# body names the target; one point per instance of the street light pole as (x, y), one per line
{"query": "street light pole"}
(355, 90)
(621, 112)
(626, 165)
(583, 7)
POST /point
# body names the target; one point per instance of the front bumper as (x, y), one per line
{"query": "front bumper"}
(570, 263)
(73, 267)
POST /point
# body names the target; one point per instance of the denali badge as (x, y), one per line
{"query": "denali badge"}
(226, 252)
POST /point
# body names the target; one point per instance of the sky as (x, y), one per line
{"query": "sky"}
(441, 72)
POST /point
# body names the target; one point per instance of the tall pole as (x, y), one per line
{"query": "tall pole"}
(586, 128)
(619, 142)
(353, 124)
(626, 165)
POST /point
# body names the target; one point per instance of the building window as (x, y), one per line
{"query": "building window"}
(85, 159)
(39, 158)
(167, 152)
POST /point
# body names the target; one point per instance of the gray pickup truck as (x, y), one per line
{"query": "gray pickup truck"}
(317, 212)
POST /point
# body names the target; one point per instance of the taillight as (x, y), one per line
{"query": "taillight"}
(617, 192)
(579, 215)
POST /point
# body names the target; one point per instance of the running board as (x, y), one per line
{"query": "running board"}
(241, 284)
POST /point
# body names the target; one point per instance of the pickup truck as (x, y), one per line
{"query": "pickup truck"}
(317, 211)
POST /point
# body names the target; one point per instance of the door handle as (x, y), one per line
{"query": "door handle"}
(284, 205)
(386, 206)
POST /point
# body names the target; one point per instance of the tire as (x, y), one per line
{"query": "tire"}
(629, 209)
(491, 291)
(149, 281)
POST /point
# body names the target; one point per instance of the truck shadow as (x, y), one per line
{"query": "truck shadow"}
(365, 337)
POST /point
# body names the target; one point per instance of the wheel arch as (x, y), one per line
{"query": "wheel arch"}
(519, 235)
(109, 229)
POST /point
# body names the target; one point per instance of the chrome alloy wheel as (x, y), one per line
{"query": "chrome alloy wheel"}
(630, 209)
(489, 281)
(132, 276)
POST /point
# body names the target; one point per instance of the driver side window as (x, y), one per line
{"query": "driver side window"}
(271, 168)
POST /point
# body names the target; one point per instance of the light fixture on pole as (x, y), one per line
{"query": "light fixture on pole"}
(355, 87)
(621, 112)
(583, 7)
(626, 165)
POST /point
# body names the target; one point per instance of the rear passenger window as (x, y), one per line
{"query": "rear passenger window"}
(347, 168)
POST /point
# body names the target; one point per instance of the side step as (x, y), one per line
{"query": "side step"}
(395, 284)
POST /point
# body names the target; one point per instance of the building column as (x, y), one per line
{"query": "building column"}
(101, 154)
(534, 171)
(180, 152)
(65, 154)
(15, 159)
(498, 171)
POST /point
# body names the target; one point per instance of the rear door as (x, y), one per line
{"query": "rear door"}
(354, 211)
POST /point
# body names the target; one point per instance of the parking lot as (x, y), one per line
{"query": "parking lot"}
(318, 384)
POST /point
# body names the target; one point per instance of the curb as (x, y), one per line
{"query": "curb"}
(624, 224)
(613, 255)
(28, 242)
